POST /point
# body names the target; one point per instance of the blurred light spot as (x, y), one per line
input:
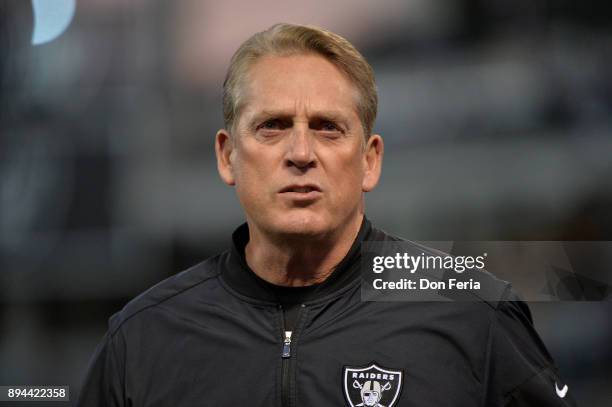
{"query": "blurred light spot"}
(51, 19)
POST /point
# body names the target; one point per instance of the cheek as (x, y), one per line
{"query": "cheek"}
(353, 168)
(253, 177)
(346, 180)
(246, 166)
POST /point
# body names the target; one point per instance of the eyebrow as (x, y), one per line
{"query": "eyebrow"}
(331, 115)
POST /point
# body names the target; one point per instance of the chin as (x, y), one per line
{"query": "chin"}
(303, 224)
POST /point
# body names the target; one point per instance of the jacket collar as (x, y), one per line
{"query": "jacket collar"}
(238, 275)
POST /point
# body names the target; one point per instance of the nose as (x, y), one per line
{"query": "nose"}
(300, 151)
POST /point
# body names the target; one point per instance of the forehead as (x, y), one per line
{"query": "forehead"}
(296, 82)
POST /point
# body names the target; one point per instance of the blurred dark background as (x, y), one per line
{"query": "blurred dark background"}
(497, 118)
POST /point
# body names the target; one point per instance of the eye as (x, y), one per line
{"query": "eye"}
(328, 129)
(270, 124)
(329, 126)
(274, 124)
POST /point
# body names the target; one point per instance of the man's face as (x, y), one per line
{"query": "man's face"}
(370, 398)
(299, 159)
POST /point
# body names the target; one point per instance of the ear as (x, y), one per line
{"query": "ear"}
(224, 150)
(372, 162)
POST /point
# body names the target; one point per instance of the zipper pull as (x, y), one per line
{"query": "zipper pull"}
(287, 345)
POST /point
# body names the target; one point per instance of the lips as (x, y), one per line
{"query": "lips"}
(301, 194)
(303, 189)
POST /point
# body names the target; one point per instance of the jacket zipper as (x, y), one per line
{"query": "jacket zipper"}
(287, 345)
(285, 377)
(286, 357)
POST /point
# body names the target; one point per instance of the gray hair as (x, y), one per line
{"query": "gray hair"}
(289, 39)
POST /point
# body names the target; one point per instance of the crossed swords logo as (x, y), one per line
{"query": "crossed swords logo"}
(359, 386)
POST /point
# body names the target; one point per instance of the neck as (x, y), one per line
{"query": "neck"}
(299, 261)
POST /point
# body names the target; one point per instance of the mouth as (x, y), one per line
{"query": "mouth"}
(301, 189)
(309, 192)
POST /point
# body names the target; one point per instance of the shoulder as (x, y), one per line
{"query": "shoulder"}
(180, 284)
(513, 325)
(521, 371)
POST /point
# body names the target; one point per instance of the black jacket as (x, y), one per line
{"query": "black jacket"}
(213, 335)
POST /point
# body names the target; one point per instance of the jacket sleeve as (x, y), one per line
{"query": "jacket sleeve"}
(521, 372)
(103, 384)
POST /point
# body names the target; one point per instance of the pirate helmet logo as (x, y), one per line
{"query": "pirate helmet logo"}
(372, 386)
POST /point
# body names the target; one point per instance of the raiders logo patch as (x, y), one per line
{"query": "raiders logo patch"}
(371, 386)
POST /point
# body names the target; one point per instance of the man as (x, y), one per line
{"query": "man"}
(278, 320)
